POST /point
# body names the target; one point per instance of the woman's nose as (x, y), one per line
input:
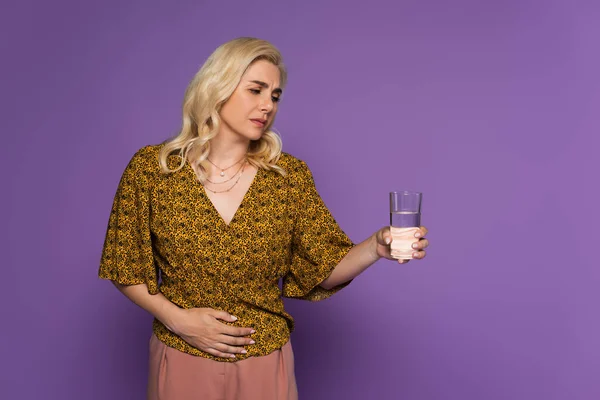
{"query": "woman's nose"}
(266, 105)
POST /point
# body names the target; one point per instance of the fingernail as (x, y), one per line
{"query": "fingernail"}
(414, 246)
(232, 356)
(388, 240)
(234, 317)
(244, 351)
(252, 331)
(418, 234)
(415, 255)
(252, 342)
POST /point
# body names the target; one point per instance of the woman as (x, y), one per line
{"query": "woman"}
(221, 215)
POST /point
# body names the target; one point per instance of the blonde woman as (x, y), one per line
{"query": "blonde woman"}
(205, 226)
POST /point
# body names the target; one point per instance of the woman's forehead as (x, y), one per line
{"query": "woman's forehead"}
(263, 71)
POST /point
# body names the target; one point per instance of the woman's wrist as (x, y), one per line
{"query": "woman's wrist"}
(175, 320)
(171, 315)
(373, 247)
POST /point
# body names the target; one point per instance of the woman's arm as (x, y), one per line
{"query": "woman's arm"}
(364, 254)
(156, 304)
(200, 327)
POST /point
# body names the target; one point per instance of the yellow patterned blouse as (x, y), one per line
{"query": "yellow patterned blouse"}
(165, 226)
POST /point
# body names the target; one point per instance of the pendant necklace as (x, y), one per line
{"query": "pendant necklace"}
(222, 173)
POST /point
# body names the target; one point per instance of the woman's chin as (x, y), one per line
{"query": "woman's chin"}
(255, 136)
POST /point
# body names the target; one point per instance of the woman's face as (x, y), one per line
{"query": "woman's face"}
(252, 107)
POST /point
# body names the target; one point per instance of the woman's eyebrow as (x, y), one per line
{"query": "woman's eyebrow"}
(266, 86)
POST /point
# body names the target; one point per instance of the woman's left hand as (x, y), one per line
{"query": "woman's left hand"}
(383, 238)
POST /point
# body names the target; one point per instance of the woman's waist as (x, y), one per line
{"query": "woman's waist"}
(266, 297)
(272, 332)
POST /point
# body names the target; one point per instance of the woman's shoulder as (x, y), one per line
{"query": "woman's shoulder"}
(145, 160)
(149, 155)
(298, 172)
(291, 163)
(146, 156)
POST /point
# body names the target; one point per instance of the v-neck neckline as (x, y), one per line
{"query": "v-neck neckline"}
(214, 209)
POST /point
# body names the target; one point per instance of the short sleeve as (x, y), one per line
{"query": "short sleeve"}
(318, 243)
(127, 256)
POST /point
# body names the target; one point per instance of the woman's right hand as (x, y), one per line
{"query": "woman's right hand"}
(201, 328)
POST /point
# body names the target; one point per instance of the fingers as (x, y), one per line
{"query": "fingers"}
(384, 236)
(235, 341)
(417, 255)
(216, 336)
(235, 330)
(228, 346)
(225, 350)
(228, 329)
(231, 350)
(223, 315)
(421, 244)
(218, 353)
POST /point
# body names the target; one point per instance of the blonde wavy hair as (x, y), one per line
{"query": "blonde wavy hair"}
(210, 88)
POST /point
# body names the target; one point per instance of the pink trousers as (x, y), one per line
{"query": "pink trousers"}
(174, 375)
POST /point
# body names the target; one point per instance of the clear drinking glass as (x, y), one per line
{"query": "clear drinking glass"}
(405, 220)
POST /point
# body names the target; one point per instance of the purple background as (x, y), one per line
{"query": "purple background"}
(488, 107)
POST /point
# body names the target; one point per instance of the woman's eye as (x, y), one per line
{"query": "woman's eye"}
(275, 99)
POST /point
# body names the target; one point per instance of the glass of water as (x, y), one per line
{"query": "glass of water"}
(405, 221)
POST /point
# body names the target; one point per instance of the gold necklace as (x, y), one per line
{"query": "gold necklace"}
(235, 183)
(223, 170)
(232, 176)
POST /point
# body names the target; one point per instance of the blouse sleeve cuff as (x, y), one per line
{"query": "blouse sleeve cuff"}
(313, 291)
(150, 282)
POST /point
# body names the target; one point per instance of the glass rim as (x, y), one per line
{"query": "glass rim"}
(406, 192)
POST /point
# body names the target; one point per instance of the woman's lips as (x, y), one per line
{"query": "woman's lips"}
(258, 122)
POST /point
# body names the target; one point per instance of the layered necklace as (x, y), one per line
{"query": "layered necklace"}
(225, 169)
(238, 173)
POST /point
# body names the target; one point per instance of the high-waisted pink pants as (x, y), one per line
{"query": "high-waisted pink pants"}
(175, 375)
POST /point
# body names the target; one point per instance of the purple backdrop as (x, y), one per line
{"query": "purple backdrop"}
(488, 107)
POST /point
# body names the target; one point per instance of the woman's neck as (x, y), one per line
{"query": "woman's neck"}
(227, 152)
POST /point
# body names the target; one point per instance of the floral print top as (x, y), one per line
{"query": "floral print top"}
(163, 231)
